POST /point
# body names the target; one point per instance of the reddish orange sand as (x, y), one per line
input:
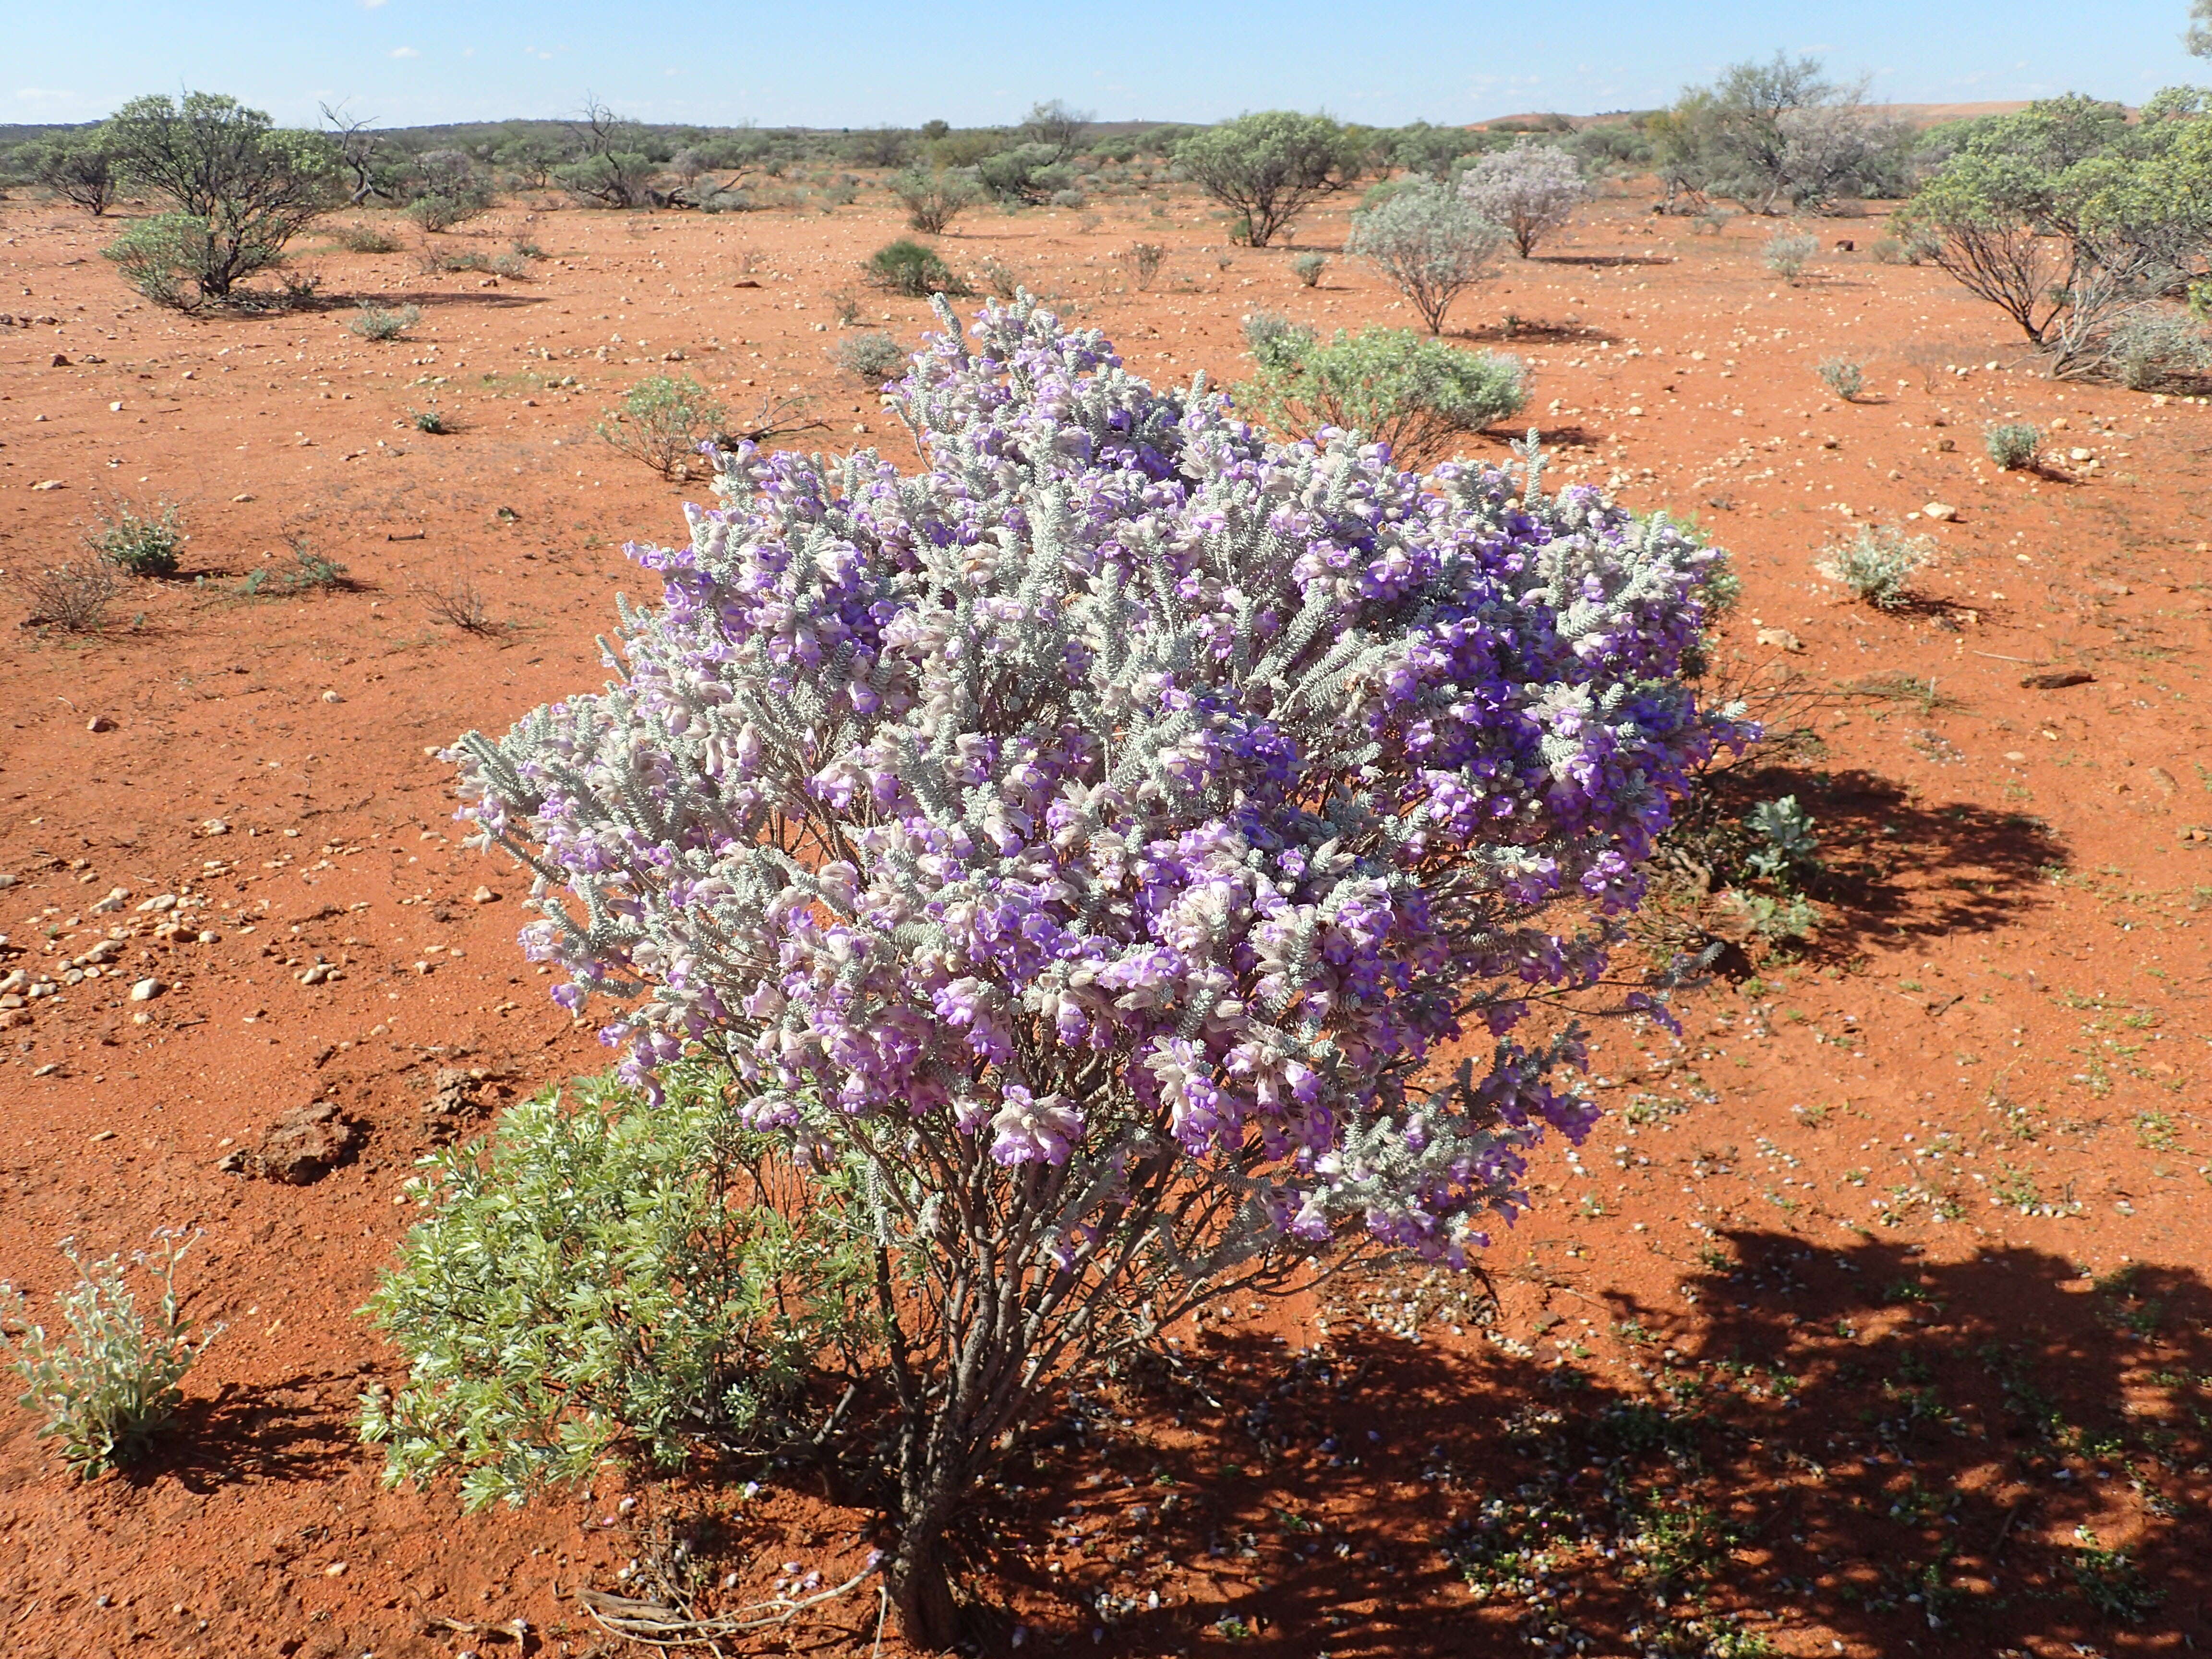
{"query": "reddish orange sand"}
(1978, 1087)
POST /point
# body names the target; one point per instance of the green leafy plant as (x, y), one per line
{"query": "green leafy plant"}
(109, 1383)
(1307, 267)
(909, 268)
(1877, 565)
(2013, 444)
(305, 572)
(428, 420)
(1787, 850)
(140, 543)
(662, 422)
(1266, 168)
(1843, 378)
(374, 322)
(239, 187)
(1416, 394)
(604, 1277)
(2111, 1581)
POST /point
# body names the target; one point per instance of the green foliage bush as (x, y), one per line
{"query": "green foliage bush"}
(2013, 444)
(1789, 251)
(1877, 565)
(1268, 168)
(78, 168)
(1428, 240)
(662, 422)
(1415, 394)
(109, 1383)
(605, 1277)
(912, 268)
(1307, 267)
(240, 188)
(140, 543)
(362, 238)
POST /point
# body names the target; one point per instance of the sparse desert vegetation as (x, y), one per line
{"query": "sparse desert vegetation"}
(975, 891)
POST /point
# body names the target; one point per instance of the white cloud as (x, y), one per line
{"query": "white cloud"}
(405, 51)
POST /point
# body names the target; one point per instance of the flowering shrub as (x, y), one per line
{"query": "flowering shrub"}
(1531, 189)
(1428, 241)
(1121, 851)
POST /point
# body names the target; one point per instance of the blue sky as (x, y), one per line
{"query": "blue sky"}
(865, 62)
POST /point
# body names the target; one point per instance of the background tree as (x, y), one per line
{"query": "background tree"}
(361, 152)
(1076, 856)
(1530, 191)
(241, 187)
(2198, 40)
(1777, 135)
(78, 167)
(1429, 241)
(1270, 166)
(615, 169)
(1057, 127)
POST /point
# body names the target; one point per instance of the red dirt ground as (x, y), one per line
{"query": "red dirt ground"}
(1846, 1275)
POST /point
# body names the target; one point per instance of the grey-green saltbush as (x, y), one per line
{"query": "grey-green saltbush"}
(1417, 395)
(108, 1382)
(1789, 251)
(1307, 267)
(1877, 565)
(2013, 444)
(1843, 378)
(871, 355)
(1428, 241)
(603, 1277)
(376, 322)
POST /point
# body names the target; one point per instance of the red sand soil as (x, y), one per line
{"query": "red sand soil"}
(1857, 1233)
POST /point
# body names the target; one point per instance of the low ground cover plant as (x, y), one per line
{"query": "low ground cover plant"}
(2013, 444)
(376, 322)
(870, 356)
(73, 597)
(1877, 564)
(1419, 396)
(108, 1382)
(1846, 378)
(1069, 860)
(662, 422)
(140, 543)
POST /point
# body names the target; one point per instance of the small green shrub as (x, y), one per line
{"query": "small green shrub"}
(360, 238)
(1307, 267)
(662, 422)
(305, 572)
(1145, 259)
(1416, 394)
(2013, 444)
(1843, 378)
(139, 544)
(1877, 565)
(907, 267)
(599, 1279)
(1789, 251)
(2112, 1581)
(2153, 345)
(374, 322)
(873, 355)
(1000, 280)
(428, 420)
(1786, 849)
(160, 258)
(526, 249)
(1886, 250)
(108, 1385)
